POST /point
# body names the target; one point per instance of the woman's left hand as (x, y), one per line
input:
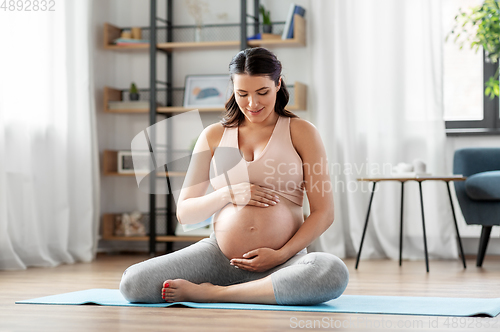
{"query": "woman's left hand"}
(259, 260)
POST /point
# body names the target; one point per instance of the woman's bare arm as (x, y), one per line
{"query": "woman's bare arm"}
(194, 205)
(318, 186)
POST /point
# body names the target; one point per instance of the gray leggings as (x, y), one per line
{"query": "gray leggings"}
(305, 279)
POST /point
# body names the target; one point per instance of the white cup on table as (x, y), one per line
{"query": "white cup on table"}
(419, 166)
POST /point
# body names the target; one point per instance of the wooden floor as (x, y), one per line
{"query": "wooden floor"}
(382, 277)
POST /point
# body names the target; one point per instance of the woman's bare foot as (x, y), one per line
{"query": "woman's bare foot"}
(256, 291)
(178, 290)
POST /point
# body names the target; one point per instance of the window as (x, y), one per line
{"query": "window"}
(467, 110)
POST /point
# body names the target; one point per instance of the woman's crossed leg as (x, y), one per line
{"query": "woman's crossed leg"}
(201, 273)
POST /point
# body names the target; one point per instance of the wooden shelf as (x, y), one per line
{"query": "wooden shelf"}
(300, 102)
(111, 94)
(298, 40)
(127, 47)
(108, 228)
(183, 46)
(180, 109)
(112, 32)
(110, 162)
(110, 166)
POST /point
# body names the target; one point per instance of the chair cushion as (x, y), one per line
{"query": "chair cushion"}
(484, 186)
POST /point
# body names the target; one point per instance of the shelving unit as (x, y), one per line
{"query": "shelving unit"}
(166, 102)
(112, 32)
(298, 92)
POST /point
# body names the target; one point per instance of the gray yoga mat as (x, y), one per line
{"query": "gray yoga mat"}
(360, 304)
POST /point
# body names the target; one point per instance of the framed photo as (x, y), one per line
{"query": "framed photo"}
(207, 91)
(204, 228)
(129, 163)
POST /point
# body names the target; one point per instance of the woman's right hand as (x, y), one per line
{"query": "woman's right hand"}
(252, 194)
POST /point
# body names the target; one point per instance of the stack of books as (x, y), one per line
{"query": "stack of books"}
(130, 41)
(288, 30)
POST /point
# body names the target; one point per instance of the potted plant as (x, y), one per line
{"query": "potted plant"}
(266, 20)
(481, 26)
(133, 93)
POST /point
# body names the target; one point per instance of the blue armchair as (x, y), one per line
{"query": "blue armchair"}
(479, 195)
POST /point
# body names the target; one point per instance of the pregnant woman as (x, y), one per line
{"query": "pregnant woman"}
(259, 160)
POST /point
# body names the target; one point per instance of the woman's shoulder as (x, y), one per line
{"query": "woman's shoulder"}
(304, 136)
(302, 128)
(214, 133)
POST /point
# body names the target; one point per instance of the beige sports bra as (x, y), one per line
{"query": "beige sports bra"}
(279, 166)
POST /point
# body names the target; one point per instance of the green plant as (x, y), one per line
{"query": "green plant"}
(481, 27)
(266, 15)
(133, 88)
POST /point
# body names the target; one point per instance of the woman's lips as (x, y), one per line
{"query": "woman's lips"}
(256, 112)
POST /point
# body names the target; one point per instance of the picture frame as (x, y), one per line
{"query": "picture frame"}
(207, 91)
(204, 228)
(129, 163)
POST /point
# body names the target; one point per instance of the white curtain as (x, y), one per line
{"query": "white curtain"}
(378, 100)
(48, 154)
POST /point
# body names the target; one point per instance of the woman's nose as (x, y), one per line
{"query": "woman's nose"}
(253, 102)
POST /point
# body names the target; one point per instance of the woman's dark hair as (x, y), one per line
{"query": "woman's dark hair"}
(256, 61)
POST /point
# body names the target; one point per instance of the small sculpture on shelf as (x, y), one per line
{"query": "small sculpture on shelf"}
(136, 33)
(133, 92)
(129, 225)
(126, 34)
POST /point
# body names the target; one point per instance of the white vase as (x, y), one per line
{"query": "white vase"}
(197, 34)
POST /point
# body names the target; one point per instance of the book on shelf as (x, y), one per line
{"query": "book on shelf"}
(126, 105)
(288, 29)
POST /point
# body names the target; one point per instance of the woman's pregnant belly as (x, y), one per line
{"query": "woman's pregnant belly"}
(239, 229)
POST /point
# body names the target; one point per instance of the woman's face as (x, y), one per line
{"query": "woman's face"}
(255, 95)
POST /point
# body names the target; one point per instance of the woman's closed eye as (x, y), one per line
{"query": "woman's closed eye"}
(260, 94)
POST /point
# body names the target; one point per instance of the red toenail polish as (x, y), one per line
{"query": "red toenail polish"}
(166, 285)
